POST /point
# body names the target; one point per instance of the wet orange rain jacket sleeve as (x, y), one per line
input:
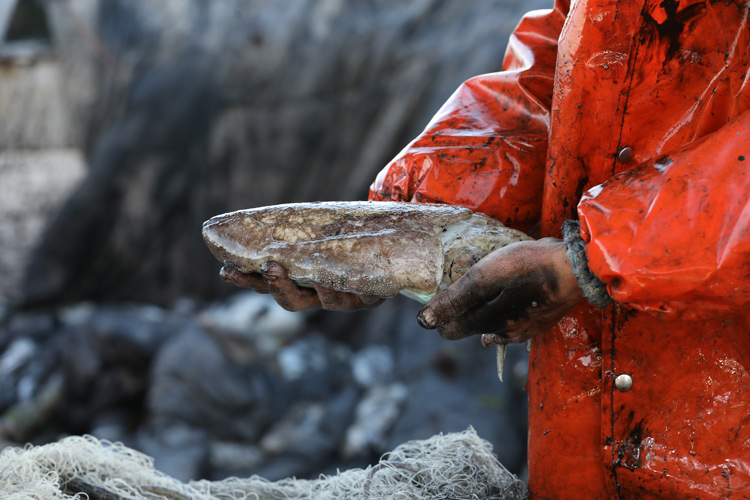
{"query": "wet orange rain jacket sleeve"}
(467, 156)
(673, 236)
(634, 118)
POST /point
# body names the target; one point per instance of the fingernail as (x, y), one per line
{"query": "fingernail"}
(268, 270)
(490, 339)
(487, 339)
(224, 273)
(228, 273)
(426, 318)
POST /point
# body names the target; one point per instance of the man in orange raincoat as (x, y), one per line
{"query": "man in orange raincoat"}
(631, 121)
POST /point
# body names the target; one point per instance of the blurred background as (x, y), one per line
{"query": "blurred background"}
(126, 124)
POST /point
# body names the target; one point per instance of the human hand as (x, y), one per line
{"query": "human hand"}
(512, 294)
(274, 280)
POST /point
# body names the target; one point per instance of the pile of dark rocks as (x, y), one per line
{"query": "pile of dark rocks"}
(242, 387)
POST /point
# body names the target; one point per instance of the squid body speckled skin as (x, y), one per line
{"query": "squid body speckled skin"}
(373, 248)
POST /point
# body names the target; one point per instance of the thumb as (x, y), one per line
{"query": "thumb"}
(456, 300)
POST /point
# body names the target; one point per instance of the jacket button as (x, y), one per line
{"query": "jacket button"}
(623, 382)
(625, 154)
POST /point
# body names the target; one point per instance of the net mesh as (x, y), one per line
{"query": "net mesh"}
(452, 466)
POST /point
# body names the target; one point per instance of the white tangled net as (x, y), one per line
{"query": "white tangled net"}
(453, 466)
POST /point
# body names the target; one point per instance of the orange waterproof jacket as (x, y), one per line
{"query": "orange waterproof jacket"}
(633, 117)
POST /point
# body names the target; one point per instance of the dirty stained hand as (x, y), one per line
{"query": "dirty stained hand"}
(292, 297)
(511, 295)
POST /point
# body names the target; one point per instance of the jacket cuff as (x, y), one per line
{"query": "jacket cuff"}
(594, 289)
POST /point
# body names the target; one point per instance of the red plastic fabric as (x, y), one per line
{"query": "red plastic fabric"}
(643, 226)
(633, 117)
(466, 156)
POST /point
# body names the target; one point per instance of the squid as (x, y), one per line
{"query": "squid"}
(363, 247)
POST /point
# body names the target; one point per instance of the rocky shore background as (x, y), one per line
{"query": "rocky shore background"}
(126, 124)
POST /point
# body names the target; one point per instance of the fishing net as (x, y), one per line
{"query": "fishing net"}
(453, 466)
